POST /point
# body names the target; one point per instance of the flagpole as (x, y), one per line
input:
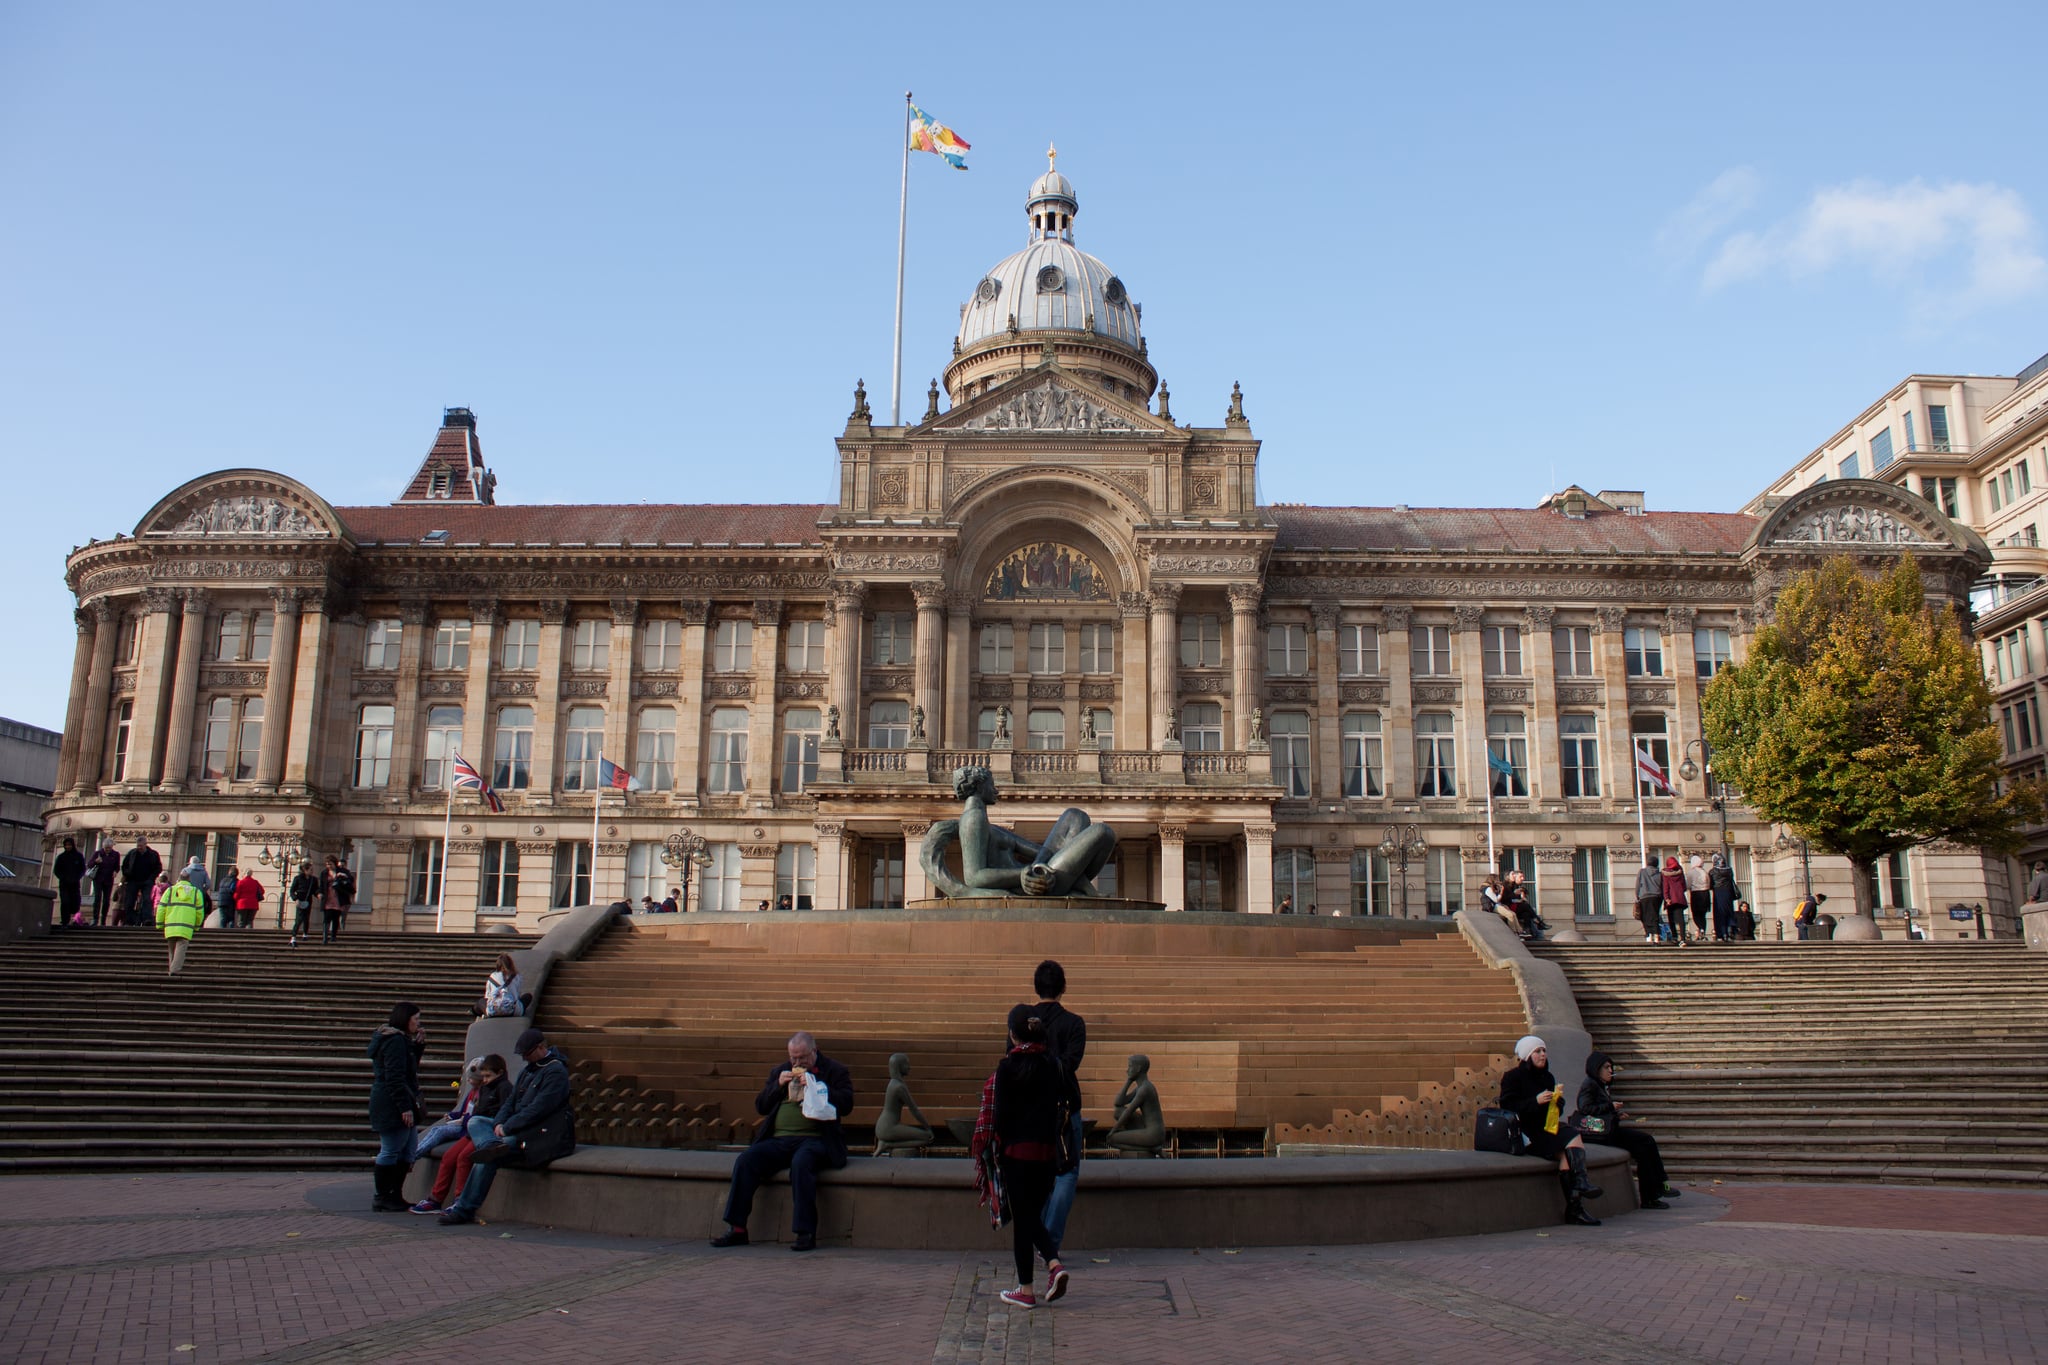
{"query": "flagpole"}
(902, 229)
(1492, 858)
(447, 824)
(1642, 839)
(596, 804)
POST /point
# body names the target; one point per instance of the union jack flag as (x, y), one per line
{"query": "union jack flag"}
(468, 776)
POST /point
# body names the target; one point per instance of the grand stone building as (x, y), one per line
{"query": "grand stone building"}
(1049, 573)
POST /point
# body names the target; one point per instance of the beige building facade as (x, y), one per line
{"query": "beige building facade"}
(1049, 573)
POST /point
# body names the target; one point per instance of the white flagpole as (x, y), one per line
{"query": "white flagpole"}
(1492, 858)
(902, 228)
(596, 803)
(1642, 840)
(447, 824)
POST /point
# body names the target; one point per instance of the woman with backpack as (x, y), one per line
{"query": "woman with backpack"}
(1019, 1128)
(1675, 899)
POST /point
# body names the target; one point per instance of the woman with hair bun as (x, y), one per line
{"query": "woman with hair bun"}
(1018, 1134)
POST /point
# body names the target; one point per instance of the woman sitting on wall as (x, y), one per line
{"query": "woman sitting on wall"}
(1533, 1094)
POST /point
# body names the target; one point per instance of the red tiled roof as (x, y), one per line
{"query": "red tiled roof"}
(592, 523)
(1510, 529)
(456, 450)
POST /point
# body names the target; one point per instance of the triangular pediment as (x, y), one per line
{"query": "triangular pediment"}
(1047, 403)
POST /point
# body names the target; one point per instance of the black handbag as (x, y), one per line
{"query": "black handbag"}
(1497, 1130)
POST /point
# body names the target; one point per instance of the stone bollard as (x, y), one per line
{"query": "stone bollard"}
(2034, 921)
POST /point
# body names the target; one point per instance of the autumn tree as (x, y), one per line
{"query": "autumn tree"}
(1862, 720)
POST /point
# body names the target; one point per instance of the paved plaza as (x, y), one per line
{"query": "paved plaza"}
(290, 1268)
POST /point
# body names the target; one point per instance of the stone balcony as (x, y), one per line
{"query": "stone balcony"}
(921, 766)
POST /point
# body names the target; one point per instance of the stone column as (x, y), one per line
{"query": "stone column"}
(1621, 756)
(277, 687)
(1245, 669)
(92, 730)
(1165, 662)
(309, 694)
(1173, 866)
(177, 767)
(1472, 699)
(958, 731)
(1329, 739)
(847, 601)
(916, 886)
(547, 697)
(74, 703)
(928, 675)
(1539, 656)
(1399, 730)
(1134, 719)
(484, 616)
(152, 688)
(831, 860)
(618, 688)
(1679, 665)
(690, 701)
(405, 698)
(1258, 869)
(763, 766)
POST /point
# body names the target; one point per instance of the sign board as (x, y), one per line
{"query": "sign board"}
(1961, 912)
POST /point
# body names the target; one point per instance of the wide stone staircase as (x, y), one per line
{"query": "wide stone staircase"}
(1244, 1027)
(1910, 1062)
(251, 1058)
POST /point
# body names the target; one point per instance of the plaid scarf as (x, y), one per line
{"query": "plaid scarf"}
(983, 1148)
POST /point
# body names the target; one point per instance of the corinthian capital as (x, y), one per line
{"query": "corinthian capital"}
(930, 594)
(1166, 595)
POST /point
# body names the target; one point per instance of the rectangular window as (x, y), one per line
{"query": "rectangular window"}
(1589, 883)
(720, 889)
(1911, 442)
(1937, 427)
(1578, 754)
(801, 731)
(1205, 878)
(228, 847)
(892, 639)
(1572, 650)
(263, 623)
(796, 876)
(889, 725)
(1369, 879)
(2019, 470)
(1501, 647)
(248, 739)
(1991, 490)
(804, 652)
(2030, 732)
(1046, 729)
(1507, 741)
(1880, 450)
(1361, 753)
(2005, 485)
(1287, 651)
(1711, 650)
(1201, 642)
(572, 875)
(885, 876)
(373, 745)
(985, 725)
(728, 749)
(521, 650)
(654, 758)
(512, 759)
(592, 651)
(1201, 727)
(1098, 647)
(1643, 648)
(227, 636)
(500, 889)
(444, 737)
(1294, 880)
(1429, 651)
(1894, 882)
(124, 641)
(451, 644)
(998, 649)
(423, 878)
(1647, 732)
(1940, 492)
(2012, 742)
(215, 738)
(1436, 755)
(646, 877)
(1443, 881)
(1048, 649)
(661, 648)
(1289, 731)
(1358, 650)
(1851, 468)
(582, 744)
(124, 722)
(732, 647)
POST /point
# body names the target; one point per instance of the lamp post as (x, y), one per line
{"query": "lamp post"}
(1690, 771)
(683, 851)
(283, 850)
(1402, 840)
(1805, 857)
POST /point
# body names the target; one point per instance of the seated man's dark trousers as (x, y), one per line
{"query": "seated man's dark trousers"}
(1650, 1173)
(802, 1157)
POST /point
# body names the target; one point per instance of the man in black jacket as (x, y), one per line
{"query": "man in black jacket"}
(139, 871)
(69, 870)
(1066, 1037)
(536, 1127)
(788, 1139)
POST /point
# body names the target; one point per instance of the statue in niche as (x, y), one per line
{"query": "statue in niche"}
(1140, 1127)
(1258, 720)
(998, 862)
(917, 725)
(1003, 721)
(1088, 725)
(892, 1132)
(832, 725)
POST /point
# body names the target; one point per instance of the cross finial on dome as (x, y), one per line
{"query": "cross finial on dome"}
(1052, 157)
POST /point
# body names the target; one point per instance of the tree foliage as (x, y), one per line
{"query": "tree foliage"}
(1861, 719)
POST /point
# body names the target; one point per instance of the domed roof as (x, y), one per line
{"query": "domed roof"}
(1051, 285)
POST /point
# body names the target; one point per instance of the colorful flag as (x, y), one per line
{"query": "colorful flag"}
(1499, 764)
(610, 774)
(1648, 770)
(929, 135)
(468, 776)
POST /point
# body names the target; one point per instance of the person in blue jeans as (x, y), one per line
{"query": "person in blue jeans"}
(1067, 1039)
(395, 1100)
(535, 1128)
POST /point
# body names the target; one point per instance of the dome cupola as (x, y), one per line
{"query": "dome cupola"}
(1052, 204)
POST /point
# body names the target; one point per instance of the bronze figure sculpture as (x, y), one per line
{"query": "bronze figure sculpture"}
(998, 862)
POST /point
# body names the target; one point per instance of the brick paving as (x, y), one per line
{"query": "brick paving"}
(183, 1268)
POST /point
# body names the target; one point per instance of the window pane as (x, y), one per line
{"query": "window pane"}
(1201, 726)
(582, 743)
(373, 746)
(1048, 649)
(1507, 743)
(998, 649)
(444, 737)
(1201, 642)
(1290, 744)
(1358, 650)
(1579, 755)
(1048, 729)
(889, 725)
(1361, 754)
(260, 627)
(804, 651)
(661, 647)
(1098, 647)
(512, 756)
(654, 758)
(732, 647)
(800, 733)
(728, 752)
(1436, 755)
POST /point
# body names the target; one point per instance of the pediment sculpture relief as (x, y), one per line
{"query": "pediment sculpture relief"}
(247, 516)
(1854, 526)
(1048, 407)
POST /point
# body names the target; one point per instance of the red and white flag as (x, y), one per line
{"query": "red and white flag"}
(610, 774)
(1648, 771)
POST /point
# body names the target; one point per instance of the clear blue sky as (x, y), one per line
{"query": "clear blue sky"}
(653, 245)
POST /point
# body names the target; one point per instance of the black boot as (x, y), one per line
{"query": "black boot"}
(388, 1199)
(1584, 1187)
(1574, 1209)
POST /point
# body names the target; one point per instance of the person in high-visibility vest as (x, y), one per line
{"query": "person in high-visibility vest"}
(178, 915)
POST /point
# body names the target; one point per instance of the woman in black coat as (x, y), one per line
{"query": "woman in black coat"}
(305, 889)
(394, 1052)
(1597, 1102)
(1025, 1095)
(1529, 1090)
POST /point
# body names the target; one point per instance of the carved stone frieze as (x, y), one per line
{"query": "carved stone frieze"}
(159, 601)
(1132, 604)
(1048, 406)
(1362, 693)
(512, 687)
(960, 478)
(830, 829)
(1368, 588)
(995, 689)
(444, 687)
(759, 850)
(655, 687)
(885, 561)
(1205, 489)
(380, 685)
(1607, 620)
(889, 682)
(1436, 692)
(729, 688)
(1136, 480)
(1553, 855)
(892, 488)
(1578, 694)
(802, 689)
(535, 848)
(1278, 691)
(1098, 691)
(233, 677)
(247, 516)
(459, 847)
(1649, 694)
(1537, 616)
(1507, 693)
(1204, 684)
(585, 687)
(1205, 564)
(1852, 525)
(124, 682)
(1678, 620)
(1048, 691)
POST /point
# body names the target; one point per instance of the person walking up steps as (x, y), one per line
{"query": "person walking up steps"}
(178, 914)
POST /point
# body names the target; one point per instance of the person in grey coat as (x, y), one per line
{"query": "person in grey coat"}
(1649, 900)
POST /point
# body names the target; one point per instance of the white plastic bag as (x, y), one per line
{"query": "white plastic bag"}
(817, 1103)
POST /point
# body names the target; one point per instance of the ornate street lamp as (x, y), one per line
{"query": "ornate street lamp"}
(1805, 856)
(683, 851)
(1401, 841)
(282, 850)
(1690, 771)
